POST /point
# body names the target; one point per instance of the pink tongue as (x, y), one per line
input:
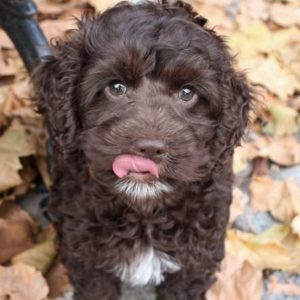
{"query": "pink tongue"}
(124, 164)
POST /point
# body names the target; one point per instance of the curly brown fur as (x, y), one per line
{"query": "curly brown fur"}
(156, 49)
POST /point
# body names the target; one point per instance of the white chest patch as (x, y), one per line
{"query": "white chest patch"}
(147, 267)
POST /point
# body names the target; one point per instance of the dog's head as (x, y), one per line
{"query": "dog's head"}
(148, 95)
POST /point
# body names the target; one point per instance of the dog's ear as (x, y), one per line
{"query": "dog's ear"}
(238, 99)
(55, 82)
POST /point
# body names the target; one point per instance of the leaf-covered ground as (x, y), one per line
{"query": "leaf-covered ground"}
(263, 240)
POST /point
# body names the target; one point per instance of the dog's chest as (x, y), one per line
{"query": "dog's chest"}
(147, 267)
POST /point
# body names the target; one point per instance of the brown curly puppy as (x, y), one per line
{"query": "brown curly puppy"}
(144, 110)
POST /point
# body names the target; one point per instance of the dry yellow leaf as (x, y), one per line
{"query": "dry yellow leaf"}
(9, 171)
(284, 151)
(281, 198)
(237, 280)
(14, 143)
(21, 282)
(286, 48)
(240, 159)
(295, 225)
(276, 248)
(251, 40)
(284, 120)
(101, 5)
(16, 139)
(274, 76)
(285, 15)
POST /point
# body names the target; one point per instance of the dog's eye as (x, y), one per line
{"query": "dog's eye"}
(117, 88)
(186, 93)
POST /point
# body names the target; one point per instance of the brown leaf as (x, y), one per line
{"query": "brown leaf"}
(14, 143)
(281, 198)
(40, 255)
(284, 151)
(21, 282)
(260, 166)
(16, 231)
(28, 174)
(58, 280)
(238, 280)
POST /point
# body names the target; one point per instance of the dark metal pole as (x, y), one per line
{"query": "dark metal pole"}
(17, 17)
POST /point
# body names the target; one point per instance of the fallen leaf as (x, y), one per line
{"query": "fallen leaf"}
(28, 174)
(286, 48)
(21, 282)
(58, 280)
(16, 139)
(251, 40)
(241, 159)
(255, 9)
(285, 15)
(42, 254)
(16, 231)
(267, 72)
(239, 200)
(295, 225)
(284, 120)
(281, 198)
(9, 171)
(278, 241)
(237, 280)
(16, 142)
(100, 5)
(43, 167)
(284, 151)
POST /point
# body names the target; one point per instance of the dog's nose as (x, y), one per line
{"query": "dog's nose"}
(150, 147)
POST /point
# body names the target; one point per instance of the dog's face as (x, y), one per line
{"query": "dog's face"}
(154, 99)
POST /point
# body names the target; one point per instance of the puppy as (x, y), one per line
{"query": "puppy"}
(144, 110)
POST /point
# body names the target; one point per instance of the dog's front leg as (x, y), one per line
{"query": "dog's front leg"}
(92, 284)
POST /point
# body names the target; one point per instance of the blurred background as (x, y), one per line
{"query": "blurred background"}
(263, 240)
